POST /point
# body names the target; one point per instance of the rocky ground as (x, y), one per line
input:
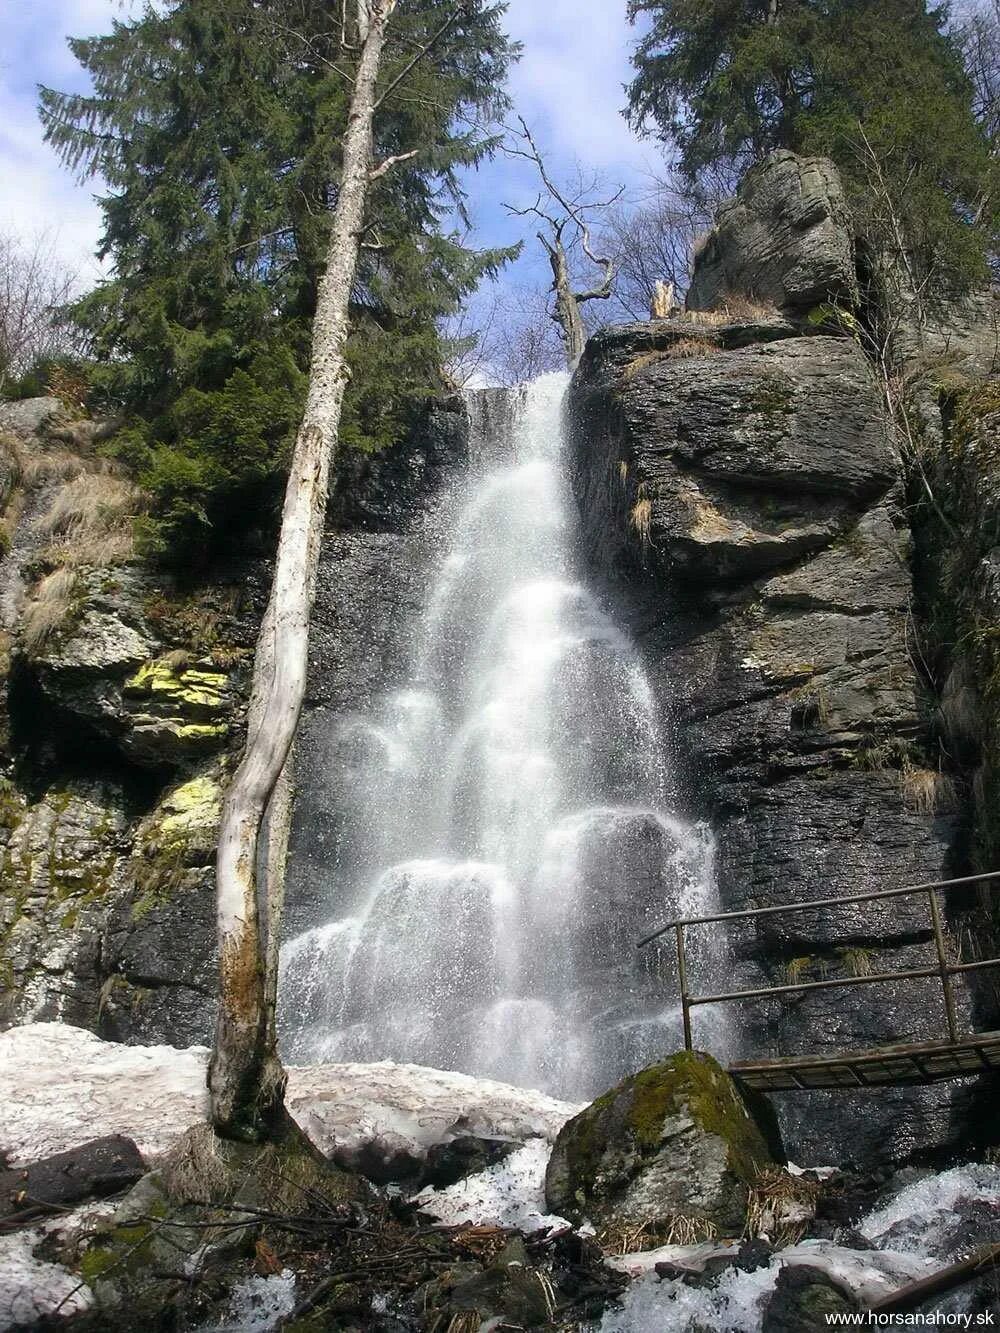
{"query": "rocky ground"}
(431, 1205)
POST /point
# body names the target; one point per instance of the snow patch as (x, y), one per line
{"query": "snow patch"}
(65, 1086)
(510, 1193)
(32, 1288)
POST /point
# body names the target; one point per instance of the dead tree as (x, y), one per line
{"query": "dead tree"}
(567, 224)
(246, 1078)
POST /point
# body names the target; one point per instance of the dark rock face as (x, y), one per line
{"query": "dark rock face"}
(785, 239)
(675, 1141)
(95, 1170)
(805, 1299)
(122, 696)
(742, 506)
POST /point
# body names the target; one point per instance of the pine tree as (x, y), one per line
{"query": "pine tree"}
(877, 85)
(216, 125)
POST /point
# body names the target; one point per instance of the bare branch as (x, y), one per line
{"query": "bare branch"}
(378, 172)
(460, 10)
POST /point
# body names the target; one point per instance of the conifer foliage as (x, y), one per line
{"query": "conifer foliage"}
(216, 125)
(877, 85)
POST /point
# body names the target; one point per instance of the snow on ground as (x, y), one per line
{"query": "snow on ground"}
(64, 1086)
(30, 1288)
(409, 1108)
(510, 1193)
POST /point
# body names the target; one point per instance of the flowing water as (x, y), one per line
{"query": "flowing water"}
(511, 835)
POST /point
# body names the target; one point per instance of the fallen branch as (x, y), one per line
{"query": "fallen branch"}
(938, 1284)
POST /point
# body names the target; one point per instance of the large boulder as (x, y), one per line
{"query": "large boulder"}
(673, 1144)
(785, 240)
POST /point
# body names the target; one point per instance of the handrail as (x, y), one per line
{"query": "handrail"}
(942, 968)
(816, 902)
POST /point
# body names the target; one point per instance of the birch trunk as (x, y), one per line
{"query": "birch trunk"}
(246, 1079)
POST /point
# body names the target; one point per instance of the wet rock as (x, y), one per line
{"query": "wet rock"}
(100, 666)
(177, 710)
(805, 1299)
(763, 568)
(729, 462)
(508, 1289)
(93, 1171)
(785, 239)
(450, 1162)
(673, 1142)
(160, 941)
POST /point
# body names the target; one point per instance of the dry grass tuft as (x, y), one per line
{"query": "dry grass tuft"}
(686, 347)
(623, 471)
(90, 518)
(925, 791)
(49, 609)
(677, 1229)
(675, 351)
(780, 1206)
(734, 308)
(52, 465)
(640, 520)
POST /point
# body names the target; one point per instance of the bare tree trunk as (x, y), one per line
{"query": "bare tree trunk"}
(662, 303)
(246, 1079)
(567, 312)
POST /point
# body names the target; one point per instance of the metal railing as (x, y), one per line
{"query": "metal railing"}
(944, 969)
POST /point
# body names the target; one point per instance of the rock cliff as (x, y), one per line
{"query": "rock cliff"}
(745, 502)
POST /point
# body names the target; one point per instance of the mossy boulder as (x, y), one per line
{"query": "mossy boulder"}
(674, 1145)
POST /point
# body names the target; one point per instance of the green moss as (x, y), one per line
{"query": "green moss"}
(189, 690)
(96, 1262)
(771, 396)
(830, 316)
(179, 836)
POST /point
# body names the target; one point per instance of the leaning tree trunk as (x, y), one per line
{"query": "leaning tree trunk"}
(246, 1079)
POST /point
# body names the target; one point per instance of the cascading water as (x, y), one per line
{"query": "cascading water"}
(509, 839)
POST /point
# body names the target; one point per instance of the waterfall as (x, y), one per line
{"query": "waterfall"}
(511, 833)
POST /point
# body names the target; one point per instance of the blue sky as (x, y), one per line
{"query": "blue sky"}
(568, 86)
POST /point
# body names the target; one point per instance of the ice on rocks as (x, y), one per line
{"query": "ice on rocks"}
(913, 1220)
(738, 1300)
(258, 1303)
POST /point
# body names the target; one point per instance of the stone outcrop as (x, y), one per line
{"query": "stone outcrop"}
(742, 503)
(785, 240)
(672, 1147)
(122, 698)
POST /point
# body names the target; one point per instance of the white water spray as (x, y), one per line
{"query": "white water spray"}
(511, 840)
